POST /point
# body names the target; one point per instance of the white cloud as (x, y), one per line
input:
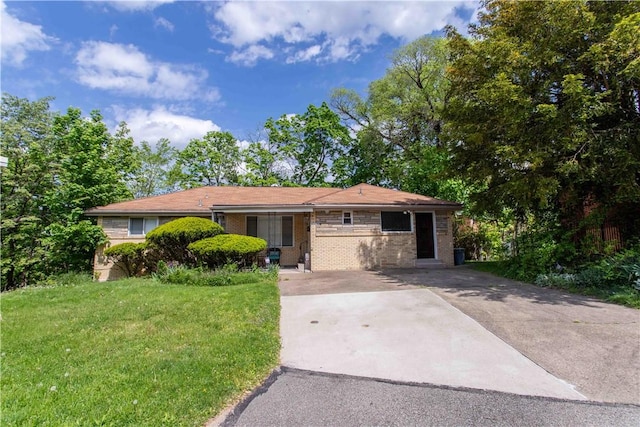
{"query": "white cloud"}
(125, 69)
(151, 125)
(164, 23)
(305, 54)
(137, 5)
(113, 30)
(250, 55)
(17, 38)
(343, 29)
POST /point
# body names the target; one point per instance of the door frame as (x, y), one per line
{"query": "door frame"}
(435, 236)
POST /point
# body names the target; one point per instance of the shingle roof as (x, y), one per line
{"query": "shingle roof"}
(200, 201)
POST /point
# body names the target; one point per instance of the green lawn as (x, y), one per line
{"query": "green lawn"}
(133, 352)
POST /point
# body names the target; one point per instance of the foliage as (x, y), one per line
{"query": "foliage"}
(614, 278)
(27, 142)
(134, 352)
(227, 248)
(309, 144)
(153, 176)
(225, 275)
(399, 125)
(128, 256)
(59, 165)
(544, 112)
(212, 160)
(264, 164)
(172, 239)
(481, 240)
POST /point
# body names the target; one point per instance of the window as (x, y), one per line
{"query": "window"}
(347, 218)
(396, 221)
(141, 226)
(276, 230)
(220, 219)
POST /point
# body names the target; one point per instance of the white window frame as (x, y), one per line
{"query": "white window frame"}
(278, 218)
(350, 213)
(144, 225)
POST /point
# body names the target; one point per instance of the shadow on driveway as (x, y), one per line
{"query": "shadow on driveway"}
(589, 343)
(466, 282)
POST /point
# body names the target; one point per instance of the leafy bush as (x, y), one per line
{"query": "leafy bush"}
(228, 248)
(130, 257)
(556, 280)
(171, 240)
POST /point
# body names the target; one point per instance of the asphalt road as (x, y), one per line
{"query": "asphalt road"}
(303, 398)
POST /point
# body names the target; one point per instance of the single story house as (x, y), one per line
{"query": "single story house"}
(361, 227)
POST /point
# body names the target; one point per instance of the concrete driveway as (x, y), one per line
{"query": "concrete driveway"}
(459, 327)
(385, 328)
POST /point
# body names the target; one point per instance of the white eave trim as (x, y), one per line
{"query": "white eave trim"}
(148, 213)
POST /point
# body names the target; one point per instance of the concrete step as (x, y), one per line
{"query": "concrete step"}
(429, 263)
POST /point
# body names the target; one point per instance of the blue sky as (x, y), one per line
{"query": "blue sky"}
(181, 69)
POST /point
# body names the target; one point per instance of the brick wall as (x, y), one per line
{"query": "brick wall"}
(363, 245)
(444, 237)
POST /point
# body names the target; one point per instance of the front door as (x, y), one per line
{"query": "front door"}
(424, 235)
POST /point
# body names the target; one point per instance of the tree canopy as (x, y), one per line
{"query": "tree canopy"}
(544, 110)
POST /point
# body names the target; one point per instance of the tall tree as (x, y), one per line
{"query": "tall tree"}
(154, 166)
(309, 144)
(59, 165)
(545, 109)
(399, 124)
(263, 163)
(212, 160)
(28, 144)
(91, 169)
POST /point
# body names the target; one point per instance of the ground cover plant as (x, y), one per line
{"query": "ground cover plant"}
(134, 352)
(613, 278)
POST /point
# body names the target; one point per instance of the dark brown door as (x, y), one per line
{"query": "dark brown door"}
(424, 235)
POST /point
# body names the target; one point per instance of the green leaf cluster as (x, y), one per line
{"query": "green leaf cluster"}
(58, 166)
(543, 112)
(228, 248)
(171, 240)
(128, 256)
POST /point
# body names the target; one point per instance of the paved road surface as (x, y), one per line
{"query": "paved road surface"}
(298, 398)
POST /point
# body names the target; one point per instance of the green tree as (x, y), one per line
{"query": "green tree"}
(91, 168)
(399, 124)
(153, 174)
(28, 144)
(212, 160)
(263, 164)
(309, 144)
(545, 112)
(59, 166)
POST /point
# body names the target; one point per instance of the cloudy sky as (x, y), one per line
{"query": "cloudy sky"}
(180, 69)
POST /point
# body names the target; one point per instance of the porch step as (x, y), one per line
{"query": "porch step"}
(429, 263)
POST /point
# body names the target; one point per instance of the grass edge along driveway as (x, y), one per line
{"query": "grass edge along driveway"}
(134, 352)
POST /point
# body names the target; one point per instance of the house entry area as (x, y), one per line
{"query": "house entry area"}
(425, 235)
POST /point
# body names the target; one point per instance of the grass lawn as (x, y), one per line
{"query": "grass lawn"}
(133, 352)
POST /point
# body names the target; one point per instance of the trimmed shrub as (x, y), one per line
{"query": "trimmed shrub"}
(128, 256)
(171, 240)
(228, 248)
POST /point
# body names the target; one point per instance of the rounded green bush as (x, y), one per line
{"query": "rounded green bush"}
(227, 248)
(130, 257)
(171, 239)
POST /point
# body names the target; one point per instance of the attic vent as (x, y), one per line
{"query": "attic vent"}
(360, 191)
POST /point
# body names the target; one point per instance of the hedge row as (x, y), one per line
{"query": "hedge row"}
(188, 241)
